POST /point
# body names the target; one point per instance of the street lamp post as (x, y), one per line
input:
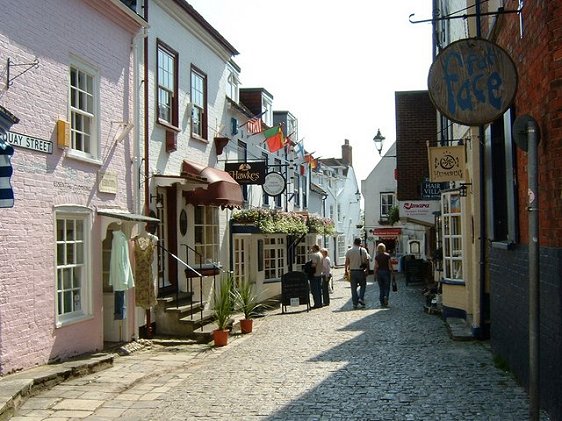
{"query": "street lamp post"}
(378, 139)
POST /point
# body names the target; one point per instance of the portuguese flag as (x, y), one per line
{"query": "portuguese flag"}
(274, 139)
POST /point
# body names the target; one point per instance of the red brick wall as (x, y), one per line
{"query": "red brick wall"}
(538, 57)
(416, 123)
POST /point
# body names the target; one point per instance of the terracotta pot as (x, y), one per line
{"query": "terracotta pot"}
(246, 325)
(220, 337)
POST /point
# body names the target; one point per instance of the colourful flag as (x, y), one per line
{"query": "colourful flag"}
(254, 125)
(274, 139)
(300, 149)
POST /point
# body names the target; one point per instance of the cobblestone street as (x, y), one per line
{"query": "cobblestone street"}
(333, 363)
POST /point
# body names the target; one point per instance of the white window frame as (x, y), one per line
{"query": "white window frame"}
(386, 204)
(83, 103)
(233, 85)
(267, 107)
(166, 84)
(274, 257)
(241, 254)
(79, 266)
(451, 211)
(198, 101)
(206, 233)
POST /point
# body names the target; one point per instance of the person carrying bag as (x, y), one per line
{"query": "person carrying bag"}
(356, 265)
(383, 273)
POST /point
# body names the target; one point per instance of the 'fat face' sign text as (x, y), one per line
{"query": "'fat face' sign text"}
(472, 81)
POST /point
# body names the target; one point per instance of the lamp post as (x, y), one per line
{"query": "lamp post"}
(378, 139)
(324, 197)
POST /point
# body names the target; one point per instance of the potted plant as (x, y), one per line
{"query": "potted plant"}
(247, 301)
(222, 309)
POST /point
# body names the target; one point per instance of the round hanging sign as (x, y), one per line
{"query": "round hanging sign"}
(274, 184)
(472, 81)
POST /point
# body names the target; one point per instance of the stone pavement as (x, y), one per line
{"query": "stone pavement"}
(334, 363)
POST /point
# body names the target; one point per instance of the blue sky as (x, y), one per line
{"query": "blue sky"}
(334, 65)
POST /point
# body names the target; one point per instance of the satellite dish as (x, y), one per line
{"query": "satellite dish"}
(519, 131)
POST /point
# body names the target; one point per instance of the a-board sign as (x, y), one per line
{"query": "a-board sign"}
(294, 289)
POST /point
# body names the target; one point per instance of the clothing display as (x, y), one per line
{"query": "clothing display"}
(145, 294)
(120, 271)
(120, 311)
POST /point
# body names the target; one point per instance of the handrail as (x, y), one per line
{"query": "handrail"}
(213, 265)
(191, 286)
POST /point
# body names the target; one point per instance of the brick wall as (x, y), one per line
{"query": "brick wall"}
(510, 318)
(416, 124)
(28, 334)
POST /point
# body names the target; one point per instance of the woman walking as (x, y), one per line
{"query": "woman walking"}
(383, 269)
(326, 276)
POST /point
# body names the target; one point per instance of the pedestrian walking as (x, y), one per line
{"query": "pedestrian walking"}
(356, 267)
(326, 276)
(316, 280)
(383, 273)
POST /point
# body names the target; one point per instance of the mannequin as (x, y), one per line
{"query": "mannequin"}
(145, 292)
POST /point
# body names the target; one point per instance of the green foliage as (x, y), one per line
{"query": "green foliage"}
(321, 225)
(271, 221)
(246, 300)
(393, 215)
(224, 301)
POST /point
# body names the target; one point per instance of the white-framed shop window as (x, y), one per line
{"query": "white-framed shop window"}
(73, 275)
(241, 258)
(274, 257)
(206, 230)
(452, 236)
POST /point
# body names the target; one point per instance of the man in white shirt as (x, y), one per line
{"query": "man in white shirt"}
(356, 260)
(316, 280)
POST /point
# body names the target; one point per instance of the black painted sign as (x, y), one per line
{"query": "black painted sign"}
(294, 289)
(431, 191)
(246, 172)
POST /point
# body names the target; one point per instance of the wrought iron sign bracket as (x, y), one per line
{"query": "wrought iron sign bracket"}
(500, 11)
(9, 80)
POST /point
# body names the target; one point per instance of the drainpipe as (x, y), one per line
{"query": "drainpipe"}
(481, 330)
(146, 129)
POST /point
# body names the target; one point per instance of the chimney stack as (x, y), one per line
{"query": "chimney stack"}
(346, 153)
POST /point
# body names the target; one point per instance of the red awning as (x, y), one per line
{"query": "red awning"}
(222, 190)
(387, 233)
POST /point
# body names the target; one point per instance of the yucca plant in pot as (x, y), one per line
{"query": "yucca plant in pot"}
(247, 301)
(223, 308)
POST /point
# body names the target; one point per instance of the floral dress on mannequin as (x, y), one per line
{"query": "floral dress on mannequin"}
(145, 295)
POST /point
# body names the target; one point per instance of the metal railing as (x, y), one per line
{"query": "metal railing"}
(216, 269)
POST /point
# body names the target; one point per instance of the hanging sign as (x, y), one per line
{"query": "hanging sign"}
(446, 163)
(246, 172)
(274, 184)
(472, 81)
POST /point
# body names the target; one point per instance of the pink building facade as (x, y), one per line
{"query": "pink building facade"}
(68, 69)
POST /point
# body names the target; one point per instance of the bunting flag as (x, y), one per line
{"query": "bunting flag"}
(308, 158)
(254, 125)
(314, 164)
(289, 143)
(274, 139)
(299, 148)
